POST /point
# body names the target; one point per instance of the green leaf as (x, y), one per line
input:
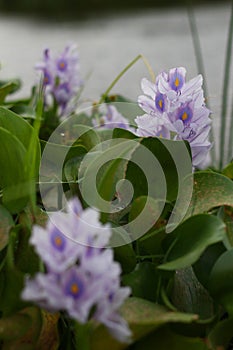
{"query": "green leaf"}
(210, 190)
(103, 173)
(205, 263)
(125, 255)
(158, 168)
(6, 222)
(144, 213)
(143, 317)
(151, 243)
(27, 341)
(13, 177)
(190, 239)
(228, 171)
(165, 339)
(221, 335)
(221, 280)
(10, 300)
(143, 281)
(16, 125)
(86, 136)
(123, 133)
(7, 88)
(188, 295)
(12, 327)
(26, 259)
(24, 132)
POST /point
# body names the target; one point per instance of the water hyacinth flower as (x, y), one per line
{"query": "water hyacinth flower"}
(111, 119)
(81, 275)
(61, 78)
(176, 107)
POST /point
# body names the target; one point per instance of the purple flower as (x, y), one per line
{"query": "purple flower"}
(176, 107)
(152, 126)
(82, 280)
(112, 119)
(61, 76)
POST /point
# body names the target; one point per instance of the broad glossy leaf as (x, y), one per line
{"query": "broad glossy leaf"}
(143, 317)
(26, 259)
(13, 177)
(143, 281)
(144, 214)
(190, 239)
(12, 327)
(210, 190)
(165, 339)
(189, 295)
(25, 133)
(86, 136)
(123, 133)
(10, 300)
(205, 263)
(27, 341)
(16, 125)
(151, 243)
(103, 173)
(125, 255)
(221, 280)
(228, 171)
(221, 335)
(6, 222)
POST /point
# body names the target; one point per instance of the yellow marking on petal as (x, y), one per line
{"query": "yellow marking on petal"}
(177, 82)
(184, 116)
(62, 65)
(74, 288)
(161, 104)
(58, 241)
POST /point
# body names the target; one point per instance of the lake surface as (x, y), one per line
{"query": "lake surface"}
(108, 44)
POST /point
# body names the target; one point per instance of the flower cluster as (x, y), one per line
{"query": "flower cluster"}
(111, 119)
(176, 108)
(81, 277)
(61, 77)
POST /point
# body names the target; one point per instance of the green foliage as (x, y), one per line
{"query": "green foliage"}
(172, 238)
(189, 240)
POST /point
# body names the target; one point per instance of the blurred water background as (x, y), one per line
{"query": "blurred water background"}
(109, 41)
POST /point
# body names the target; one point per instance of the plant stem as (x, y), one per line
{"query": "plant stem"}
(226, 90)
(230, 144)
(105, 94)
(82, 336)
(200, 65)
(32, 149)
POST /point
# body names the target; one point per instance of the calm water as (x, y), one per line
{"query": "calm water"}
(107, 44)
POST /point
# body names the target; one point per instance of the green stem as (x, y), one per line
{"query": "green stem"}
(105, 94)
(32, 149)
(10, 258)
(200, 65)
(166, 300)
(230, 144)
(155, 256)
(82, 336)
(226, 90)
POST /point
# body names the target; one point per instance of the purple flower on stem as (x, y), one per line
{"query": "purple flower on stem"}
(176, 107)
(82, 280)
(112, 119)
(61, 77)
